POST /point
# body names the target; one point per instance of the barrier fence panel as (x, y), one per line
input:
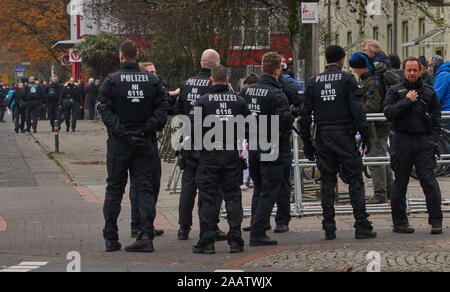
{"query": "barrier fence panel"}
(300, 208)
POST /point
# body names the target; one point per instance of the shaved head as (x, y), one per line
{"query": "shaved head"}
(210, 59)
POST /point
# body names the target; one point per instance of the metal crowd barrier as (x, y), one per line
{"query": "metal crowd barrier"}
(301, 208)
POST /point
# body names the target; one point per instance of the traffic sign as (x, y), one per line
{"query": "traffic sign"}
(74, 57)
(65, 60)
(19, 69)
(19, 74)
(5, 78)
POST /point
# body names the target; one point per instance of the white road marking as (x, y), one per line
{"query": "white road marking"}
(24, 267)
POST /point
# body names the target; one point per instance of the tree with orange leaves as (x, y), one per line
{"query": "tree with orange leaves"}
(32, 27)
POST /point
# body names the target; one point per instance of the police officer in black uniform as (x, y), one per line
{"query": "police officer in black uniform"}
(70, 102)
(414, 111)
(131, 108)
(54, 90)
(190, 91)
(34, 101)
(270, 178)
(337, 102)
(3, 100)
(220, 170)
(283, 215)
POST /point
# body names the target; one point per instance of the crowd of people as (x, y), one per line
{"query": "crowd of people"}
(33, 101)
(134, 104)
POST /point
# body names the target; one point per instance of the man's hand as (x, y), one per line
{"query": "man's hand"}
(174, 93)
(412, 95)
(309, 151)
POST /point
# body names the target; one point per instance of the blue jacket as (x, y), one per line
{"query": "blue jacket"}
(10, 94)
(442, 85)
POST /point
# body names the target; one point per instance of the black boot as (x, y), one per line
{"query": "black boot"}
(236, 247)
(144, 243)
(330, 235)
(262, 241)
(436, 229)
(183, 233)
(204, 248)
(403, 229)
(112, 245)
(281, 229)
(364, 230)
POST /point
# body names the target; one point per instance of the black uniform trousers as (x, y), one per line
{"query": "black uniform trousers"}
(336, 148)
(283, 215)
(219, 176)
(2, 110)
(189, 190)
(91, 107)
(33, 111)
(273, 180)
(121, 158)
(156, 183)
(20, 115)
(417, 150)
(71, 113)
(53, 113)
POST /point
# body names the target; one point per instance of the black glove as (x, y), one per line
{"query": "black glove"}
(309, 151)
(295, 111)
(135, 142)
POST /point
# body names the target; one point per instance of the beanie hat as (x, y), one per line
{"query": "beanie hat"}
(436, 61)
(422, 60)
(361, 60)
(334, 53)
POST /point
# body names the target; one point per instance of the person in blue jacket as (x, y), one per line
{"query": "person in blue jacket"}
(10, 94)
(441, 73)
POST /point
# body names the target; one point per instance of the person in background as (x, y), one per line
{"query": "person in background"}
(81, 87)
(3, 96)
(92, 94)
(441, 73)
(427, 76)
(396, 64)
(373, 49)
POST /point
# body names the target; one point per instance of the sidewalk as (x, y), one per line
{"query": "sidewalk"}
(64, 212)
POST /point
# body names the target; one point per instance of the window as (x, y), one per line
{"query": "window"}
(349, 38)
(405, 38)
(254, 35)
(375, 33)
(337, 39)
(390, 39)
(421, 32)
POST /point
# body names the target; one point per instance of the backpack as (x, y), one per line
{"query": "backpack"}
(387, 77)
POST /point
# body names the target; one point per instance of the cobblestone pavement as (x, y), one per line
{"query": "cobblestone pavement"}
(60, 210)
